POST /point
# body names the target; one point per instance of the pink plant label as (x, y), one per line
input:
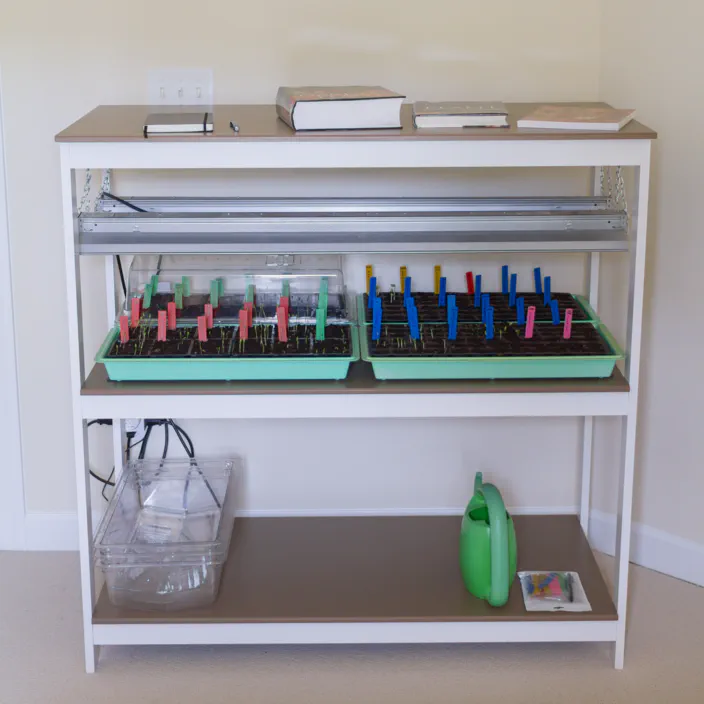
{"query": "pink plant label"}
(244, 324)
(249, 307)
(209, 315)
(530, 322)
(136, 311)
(282, 323)
(161, 326)
(285, 303)
(171, 314)
(202, 329)
(124, 329)
(567, 331)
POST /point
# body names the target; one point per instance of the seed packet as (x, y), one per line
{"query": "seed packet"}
(553, 591)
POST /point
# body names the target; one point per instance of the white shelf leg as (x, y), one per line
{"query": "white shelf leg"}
(633, 340)
(593, 268)
(80, 445)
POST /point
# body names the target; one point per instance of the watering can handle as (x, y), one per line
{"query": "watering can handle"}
(499, 542)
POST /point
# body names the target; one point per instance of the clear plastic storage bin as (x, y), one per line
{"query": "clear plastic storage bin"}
(166, 534)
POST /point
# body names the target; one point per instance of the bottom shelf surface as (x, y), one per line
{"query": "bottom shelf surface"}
(370, 579)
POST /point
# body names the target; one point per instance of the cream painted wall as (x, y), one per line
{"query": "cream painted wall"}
(651, 60)
(61, 59)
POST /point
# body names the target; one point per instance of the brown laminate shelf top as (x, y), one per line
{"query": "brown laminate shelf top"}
(125, 123)
(360, 380)
(374, 569)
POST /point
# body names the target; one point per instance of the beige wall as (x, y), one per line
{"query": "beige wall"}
(61, 59)
(652, 60)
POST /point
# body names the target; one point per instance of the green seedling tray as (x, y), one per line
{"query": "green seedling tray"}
(225, 368)
(548, 367)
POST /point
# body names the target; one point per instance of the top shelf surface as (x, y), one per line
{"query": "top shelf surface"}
(257, 123)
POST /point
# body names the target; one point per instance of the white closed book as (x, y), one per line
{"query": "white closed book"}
(339, 107)
(566, 117)
(454, 114)
(178, 123)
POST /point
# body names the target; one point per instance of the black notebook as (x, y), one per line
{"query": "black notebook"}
(178, 123)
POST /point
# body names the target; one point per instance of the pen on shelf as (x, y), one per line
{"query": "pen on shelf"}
(235, 127)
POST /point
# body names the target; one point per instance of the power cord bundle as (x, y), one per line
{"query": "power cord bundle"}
(183, 437)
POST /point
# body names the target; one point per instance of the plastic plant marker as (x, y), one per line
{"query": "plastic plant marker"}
(281, 324)
(486, 301)
(147, 296)
(124, 329)
(214, 293)
(504, 279)
(538, 280)
(470, 282)
(407, 289)
(178, 296)
(323, 294)
(285, 303)
(521, 311)
(413, 322)
(512, 290)
(202, 329)
(546, 291)
(221, 287)
(442, 294)
(490, 323)
(555, 310)
(249, 307)
(369, 269)
(530, 322)
(477, 290)
(161, 326)
(437, 274)
(186, 285)
(244, 324)
(404, 274)
(372, 292)
(171, 315)
(567, 330)
(136, 311)
(208, 315)
(155, 283)
(376, 319)
(320, 316)
(249, 295)
(286, 289)
(452, 317)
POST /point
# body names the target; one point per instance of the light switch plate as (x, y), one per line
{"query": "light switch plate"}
(180, 86)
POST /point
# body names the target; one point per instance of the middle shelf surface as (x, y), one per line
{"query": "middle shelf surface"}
(360, 395)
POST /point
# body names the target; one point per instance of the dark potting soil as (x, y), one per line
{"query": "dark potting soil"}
(509, 341)
(229, 305)
(430, 312)
(262, 342)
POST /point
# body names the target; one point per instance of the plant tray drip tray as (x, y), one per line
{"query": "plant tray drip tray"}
(224, 357)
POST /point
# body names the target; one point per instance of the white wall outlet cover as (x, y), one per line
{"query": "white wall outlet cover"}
(180, 86)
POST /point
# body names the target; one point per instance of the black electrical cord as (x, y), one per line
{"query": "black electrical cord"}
(122, 275)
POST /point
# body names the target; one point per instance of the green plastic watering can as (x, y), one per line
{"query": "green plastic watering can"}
(487, 545)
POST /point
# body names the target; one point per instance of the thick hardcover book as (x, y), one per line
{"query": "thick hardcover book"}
(339, 107)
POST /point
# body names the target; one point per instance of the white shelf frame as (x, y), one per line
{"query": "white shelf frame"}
(346, 154)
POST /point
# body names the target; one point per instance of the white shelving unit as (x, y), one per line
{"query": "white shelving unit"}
(397, 597)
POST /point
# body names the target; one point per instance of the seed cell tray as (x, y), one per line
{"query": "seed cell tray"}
(394, 310)
(224, 357)
(591, 352)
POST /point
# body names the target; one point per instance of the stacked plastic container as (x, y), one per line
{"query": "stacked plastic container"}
(166, 533)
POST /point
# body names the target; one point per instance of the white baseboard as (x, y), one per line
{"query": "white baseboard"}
(651, 548)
